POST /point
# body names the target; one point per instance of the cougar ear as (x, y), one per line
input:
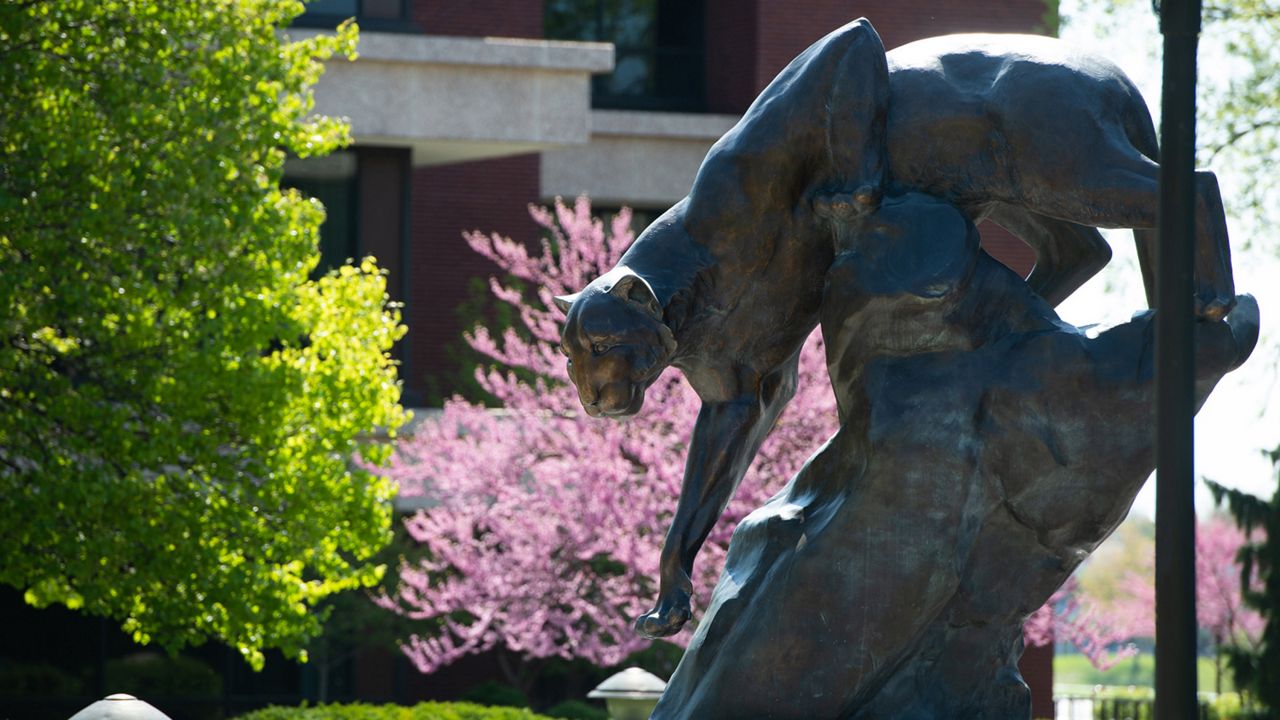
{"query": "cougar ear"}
(858, 106)
(634, 289)
(564, 302)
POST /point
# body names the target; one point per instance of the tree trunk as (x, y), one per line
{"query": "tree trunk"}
(518, 673)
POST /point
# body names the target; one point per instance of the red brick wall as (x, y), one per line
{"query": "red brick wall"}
(749, 41)
(479, 18)
(1036, 667)
(731, 51)
(1003, 246)
(488, 195)
(902, 21)
(787, 27)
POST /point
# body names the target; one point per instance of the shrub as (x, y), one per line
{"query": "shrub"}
(421, 711)
(577, 710)
(1232, 706)
(26, 680)
(155, 675)
(495, 693)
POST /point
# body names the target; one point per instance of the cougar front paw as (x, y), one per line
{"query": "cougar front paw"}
(847, 205)
(1211, 306)
(666, 619)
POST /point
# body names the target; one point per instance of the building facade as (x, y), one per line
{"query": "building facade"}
(466, 111)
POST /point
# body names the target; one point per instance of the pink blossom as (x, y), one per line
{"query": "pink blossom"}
(545, 527)
(1220, 610)
(1066, 616)
(1095, 627)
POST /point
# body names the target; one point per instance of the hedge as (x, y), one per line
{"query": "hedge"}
(421, 711)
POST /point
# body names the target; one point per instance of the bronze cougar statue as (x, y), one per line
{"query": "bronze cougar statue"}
(728, 283)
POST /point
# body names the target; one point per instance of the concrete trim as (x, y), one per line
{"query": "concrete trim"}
(684, 126)
(639, 159)
(589, 57)
(452, 99)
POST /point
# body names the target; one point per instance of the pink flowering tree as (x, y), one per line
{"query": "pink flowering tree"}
(1103, 631)
(543, 525)
(1072, 617)
(1220, 609)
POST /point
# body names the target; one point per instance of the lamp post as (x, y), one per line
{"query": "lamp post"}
(1175, 368)
(631, 694)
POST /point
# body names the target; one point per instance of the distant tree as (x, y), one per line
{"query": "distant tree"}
(1257, 666)
(1129, 547)
(1240, 110)
(1221, 610)
(1070, 616)
(354, 624)
(544, 535)
(178, 400)
(1238, 89)
(1102, 620)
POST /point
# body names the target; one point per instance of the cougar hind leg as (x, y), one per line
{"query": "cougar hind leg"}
(1215, 289)
(1121, 190)
(1067, 254)
(1213, 284)
(1147, 241)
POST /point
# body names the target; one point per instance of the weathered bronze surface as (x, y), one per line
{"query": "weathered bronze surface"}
(986, 447)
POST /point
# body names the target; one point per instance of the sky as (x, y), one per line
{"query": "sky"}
(1242, 416)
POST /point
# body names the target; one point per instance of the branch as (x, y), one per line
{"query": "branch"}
(1249, 511)
(1240, 135)
(1221, 13)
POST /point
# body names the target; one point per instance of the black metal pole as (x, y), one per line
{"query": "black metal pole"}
(1175, 370)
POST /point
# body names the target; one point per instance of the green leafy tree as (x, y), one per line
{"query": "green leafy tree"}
(355, 624)
(1238, 87)
(1240, 101)
(179, 401)
(1257, 667)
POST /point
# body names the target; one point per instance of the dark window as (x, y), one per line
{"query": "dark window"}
(334, 8)
(365, 192)
(384, 15)
(332, 181)
(660, 49)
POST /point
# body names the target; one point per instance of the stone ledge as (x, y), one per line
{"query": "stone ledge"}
(685, 126)
(589, 57)
(454, 99)
(639, 159)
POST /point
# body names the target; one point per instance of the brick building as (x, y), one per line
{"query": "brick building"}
(465, 111)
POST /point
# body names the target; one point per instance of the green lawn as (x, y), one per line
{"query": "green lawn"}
(1138, 671)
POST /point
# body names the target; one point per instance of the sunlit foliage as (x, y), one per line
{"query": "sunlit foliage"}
(179, 399)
